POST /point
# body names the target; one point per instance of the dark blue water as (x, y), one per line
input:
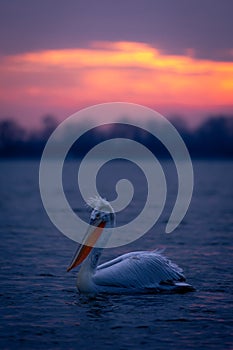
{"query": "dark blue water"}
(41, 309)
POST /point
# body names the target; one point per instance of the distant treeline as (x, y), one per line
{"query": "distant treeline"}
(212, 139)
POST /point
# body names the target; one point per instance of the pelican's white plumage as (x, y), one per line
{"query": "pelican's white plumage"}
(142, 270)
(135, 272)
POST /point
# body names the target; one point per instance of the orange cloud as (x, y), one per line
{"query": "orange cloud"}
(110, 71)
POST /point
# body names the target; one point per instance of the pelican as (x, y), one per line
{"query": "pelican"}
(130, 273)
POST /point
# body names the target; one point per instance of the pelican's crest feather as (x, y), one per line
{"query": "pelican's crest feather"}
(99, 203)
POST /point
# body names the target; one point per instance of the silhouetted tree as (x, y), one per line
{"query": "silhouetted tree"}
(12, 137)
(213, 138)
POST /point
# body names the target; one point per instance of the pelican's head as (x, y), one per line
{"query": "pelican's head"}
(102, 212)
(102, 216)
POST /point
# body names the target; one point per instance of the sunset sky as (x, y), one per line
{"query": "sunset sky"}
(58, 56)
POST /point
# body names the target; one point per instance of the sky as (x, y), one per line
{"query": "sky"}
(57, 56)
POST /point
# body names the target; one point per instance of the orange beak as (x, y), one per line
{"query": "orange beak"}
(91, 237)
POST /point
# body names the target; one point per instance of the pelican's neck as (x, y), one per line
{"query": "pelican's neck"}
(85, 276)
(85, 281)
(91, 262)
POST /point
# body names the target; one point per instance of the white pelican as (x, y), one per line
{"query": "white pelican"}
(135, 272)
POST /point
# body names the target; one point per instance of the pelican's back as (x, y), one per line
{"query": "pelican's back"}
(140, 271)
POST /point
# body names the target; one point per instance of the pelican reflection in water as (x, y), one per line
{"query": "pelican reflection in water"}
(135, 272)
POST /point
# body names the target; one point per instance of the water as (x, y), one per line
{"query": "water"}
(41, 309)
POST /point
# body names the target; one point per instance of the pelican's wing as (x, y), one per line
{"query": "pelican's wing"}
(138, 270)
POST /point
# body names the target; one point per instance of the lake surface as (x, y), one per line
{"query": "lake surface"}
(40, 306)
